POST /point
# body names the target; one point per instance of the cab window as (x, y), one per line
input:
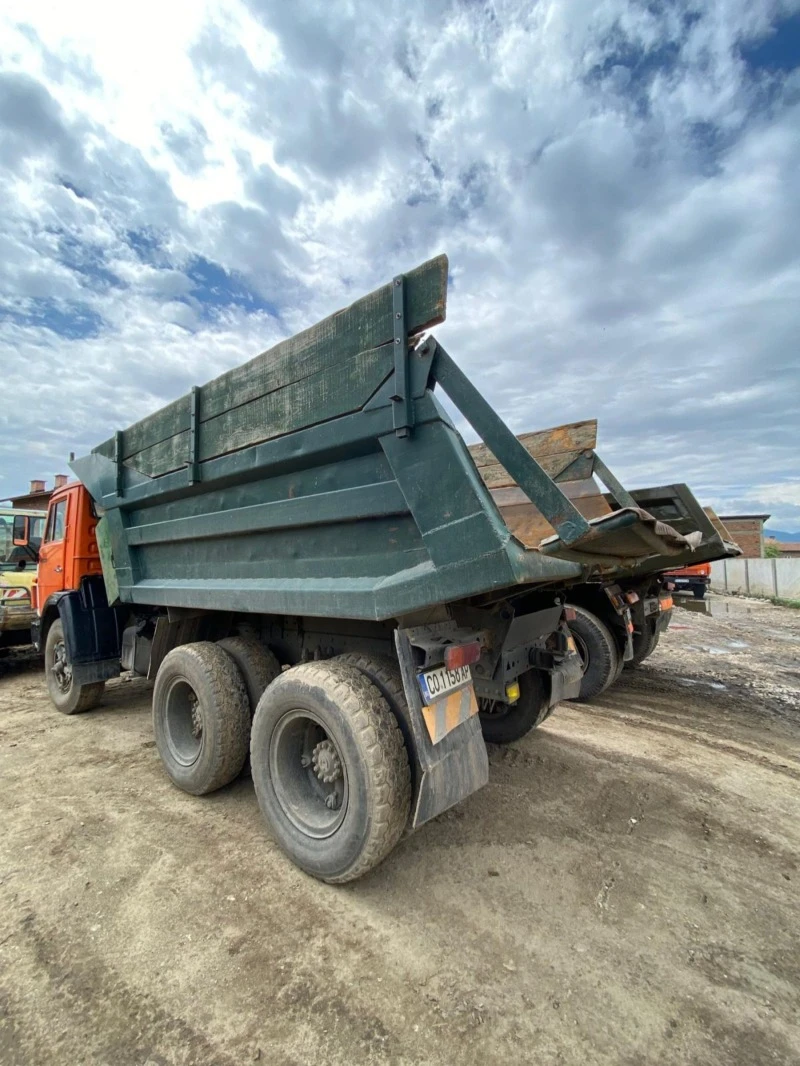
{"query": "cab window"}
(55, 522)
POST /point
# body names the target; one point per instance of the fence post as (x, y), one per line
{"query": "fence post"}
(775, 578)
(747, 577)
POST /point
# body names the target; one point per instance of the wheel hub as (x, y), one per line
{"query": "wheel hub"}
(197, 720)
(62, 671)
(326, 762)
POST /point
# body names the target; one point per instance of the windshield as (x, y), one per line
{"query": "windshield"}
(20, 556)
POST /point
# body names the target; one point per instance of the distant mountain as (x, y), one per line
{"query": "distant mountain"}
(783, 536)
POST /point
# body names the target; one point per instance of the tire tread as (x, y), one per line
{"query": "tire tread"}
(381, 742)
(229, 695)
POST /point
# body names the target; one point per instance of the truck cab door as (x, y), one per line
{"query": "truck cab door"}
(52, 554)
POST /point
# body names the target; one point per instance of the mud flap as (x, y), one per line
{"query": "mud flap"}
(446, 772)
(565, 680)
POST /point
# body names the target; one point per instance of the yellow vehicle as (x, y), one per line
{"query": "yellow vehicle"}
(20, 538)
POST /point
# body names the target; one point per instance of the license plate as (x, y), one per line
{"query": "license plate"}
(438, 683)
(449, 712)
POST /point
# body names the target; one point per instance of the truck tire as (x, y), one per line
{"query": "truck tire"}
(330, 769)
(699, 592)
(201, 717)
(621, 664)
(644, 644)
(384, 672)
(503, 723)
(257, 665)
(598, 651)
(67, 697)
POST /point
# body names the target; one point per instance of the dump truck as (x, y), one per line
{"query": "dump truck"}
(619, 614)
(20, 537)
(303, 558)
(694, 579)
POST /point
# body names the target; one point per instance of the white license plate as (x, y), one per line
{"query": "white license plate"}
(441, 682)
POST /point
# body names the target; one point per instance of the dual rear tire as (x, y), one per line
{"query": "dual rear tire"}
(599, 652)
(505, 723)
(328, 760)
(330, 769)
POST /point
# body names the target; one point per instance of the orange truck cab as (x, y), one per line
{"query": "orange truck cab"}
(70, 600)
(69, 547)
(694, 579)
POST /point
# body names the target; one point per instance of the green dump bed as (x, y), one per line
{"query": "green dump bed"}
(324, 478)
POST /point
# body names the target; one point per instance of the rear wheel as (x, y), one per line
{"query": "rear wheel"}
(67, 697)
(699, 592)
(201, 717)
(257, 665)
(503, 723)
(598, 651)
(644, 644)
(330, 769)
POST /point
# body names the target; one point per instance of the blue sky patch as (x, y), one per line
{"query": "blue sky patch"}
(146, 244)
(87, 260)
(73, 321)
(216, 289)
(780, 51)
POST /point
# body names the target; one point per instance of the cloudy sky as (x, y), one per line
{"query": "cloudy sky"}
(617, 185)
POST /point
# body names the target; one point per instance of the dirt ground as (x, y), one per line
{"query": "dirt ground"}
(625, 890)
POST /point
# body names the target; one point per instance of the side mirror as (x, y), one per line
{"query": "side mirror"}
(20, 531)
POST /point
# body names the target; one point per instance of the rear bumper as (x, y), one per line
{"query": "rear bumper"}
(16, 618)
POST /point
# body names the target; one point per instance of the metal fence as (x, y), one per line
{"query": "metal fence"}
(758, 577)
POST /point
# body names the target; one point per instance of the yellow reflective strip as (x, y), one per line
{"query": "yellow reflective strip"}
(470, 704)
(453, 710)
(429, 714)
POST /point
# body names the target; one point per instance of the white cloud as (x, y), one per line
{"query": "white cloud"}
(616, 187)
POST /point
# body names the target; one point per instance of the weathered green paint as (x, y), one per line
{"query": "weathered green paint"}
(334, 391)
(107, 561)
(620, 494)
(568, 522)
(366, 324)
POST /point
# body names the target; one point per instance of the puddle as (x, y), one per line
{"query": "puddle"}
(715, 607)
(687, 681)
(731, 646)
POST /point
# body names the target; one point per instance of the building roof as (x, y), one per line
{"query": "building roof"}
(741, 517)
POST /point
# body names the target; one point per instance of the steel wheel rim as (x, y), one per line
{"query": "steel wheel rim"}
(61, 670)
(300, 750)
(183, 722)
(494, 708)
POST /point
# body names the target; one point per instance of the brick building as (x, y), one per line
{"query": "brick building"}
(787, 550)
(37, 498)
(748, 532)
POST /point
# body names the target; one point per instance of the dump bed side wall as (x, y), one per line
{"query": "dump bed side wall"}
(342, 518)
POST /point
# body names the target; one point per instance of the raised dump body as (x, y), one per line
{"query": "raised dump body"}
(324, 478)
(307, 539)
(568, 455)
(620, 610)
